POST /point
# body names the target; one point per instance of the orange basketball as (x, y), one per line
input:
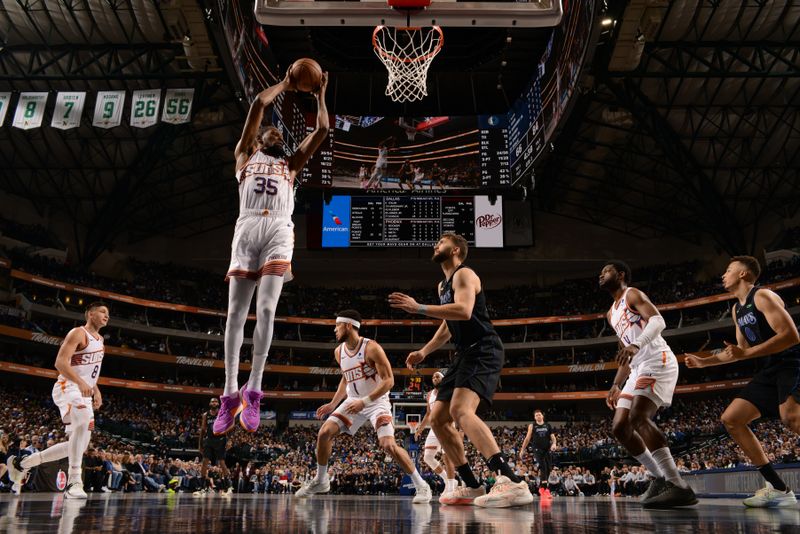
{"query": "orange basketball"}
(306, 75)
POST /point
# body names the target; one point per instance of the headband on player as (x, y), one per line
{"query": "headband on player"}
(348, 320)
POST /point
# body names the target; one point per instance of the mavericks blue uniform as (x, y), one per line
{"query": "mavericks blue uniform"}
(779, 376)
(479, 354)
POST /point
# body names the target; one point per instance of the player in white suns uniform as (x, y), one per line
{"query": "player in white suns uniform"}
(366, 380)
(649, 371)
(381, 164)
(77, 396)
(432, 445)
(261, 251)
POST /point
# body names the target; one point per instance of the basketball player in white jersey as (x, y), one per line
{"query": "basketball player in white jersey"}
(77, 396)
(379, 170)
(261, 251)
(432, 445)
(366, 380)
(363, 176)
(645, 381)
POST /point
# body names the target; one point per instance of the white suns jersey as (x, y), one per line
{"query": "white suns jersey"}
(265, 184)
(432, 398)
(629, 326)
(87, 361)
(361, 377)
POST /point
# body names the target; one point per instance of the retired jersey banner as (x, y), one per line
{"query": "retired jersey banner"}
(30, 110)
(144, 107)
(68, 110)
(5, 99)
(177, 106)
(108, 109)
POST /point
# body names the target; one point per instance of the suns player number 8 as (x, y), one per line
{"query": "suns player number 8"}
(96, 370)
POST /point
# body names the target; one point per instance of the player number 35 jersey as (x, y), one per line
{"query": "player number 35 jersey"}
(87, 361)
(265, 184)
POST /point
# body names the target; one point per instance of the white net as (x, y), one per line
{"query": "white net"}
(407, 54)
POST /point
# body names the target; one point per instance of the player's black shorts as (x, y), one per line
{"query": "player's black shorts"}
(772, 386)
(214, 450)
(476, 367)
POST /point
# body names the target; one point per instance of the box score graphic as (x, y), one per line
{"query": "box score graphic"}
(402, 221)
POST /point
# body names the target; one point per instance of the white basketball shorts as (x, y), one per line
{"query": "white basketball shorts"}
(262, 246)
(654, 378)
(68, 398)
(379, 414)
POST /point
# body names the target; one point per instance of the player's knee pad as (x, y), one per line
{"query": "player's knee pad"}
(430, 458)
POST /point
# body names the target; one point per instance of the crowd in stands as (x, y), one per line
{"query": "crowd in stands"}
(143, 444)
(185, 285)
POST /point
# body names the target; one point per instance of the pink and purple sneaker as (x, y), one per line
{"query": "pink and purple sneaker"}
(250, 415)
(230, 406)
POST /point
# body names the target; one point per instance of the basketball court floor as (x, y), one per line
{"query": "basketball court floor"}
(185, 513)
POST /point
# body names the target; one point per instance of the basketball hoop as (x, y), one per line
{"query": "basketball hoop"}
(407, 52)
(412, 426)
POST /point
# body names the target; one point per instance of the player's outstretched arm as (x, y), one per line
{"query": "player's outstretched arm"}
(441, 337)
(466, 285)
(246, 144)
(311, 143)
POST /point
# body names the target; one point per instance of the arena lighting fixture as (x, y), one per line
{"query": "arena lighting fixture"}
(607, 22)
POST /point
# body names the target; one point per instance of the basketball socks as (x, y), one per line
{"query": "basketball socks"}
(322, 473)
(76, 445)
(417, 479)
(499, 465)
(769, 473)
(56, 452)
(465, 471)
(74, 475)
(240, 292)
(647, 460)
(664, 459)
(450, 484)
(269, 291)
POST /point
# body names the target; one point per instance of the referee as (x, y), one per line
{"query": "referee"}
(544, 443)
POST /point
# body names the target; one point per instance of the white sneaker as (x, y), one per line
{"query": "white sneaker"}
(312, 487)
(16, 473)
(104, 489)
(200, 492)
(462, 495)
(227, 493)
(769, 497)
(75, 491)
(505, 493)
(423, 496)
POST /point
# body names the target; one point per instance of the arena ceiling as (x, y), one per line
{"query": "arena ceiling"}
(687, 123)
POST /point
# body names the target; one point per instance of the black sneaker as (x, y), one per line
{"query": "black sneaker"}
(657, 485)
(671, 497)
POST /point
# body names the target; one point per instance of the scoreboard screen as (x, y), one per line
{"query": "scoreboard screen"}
(434, 154)
(410, 221)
